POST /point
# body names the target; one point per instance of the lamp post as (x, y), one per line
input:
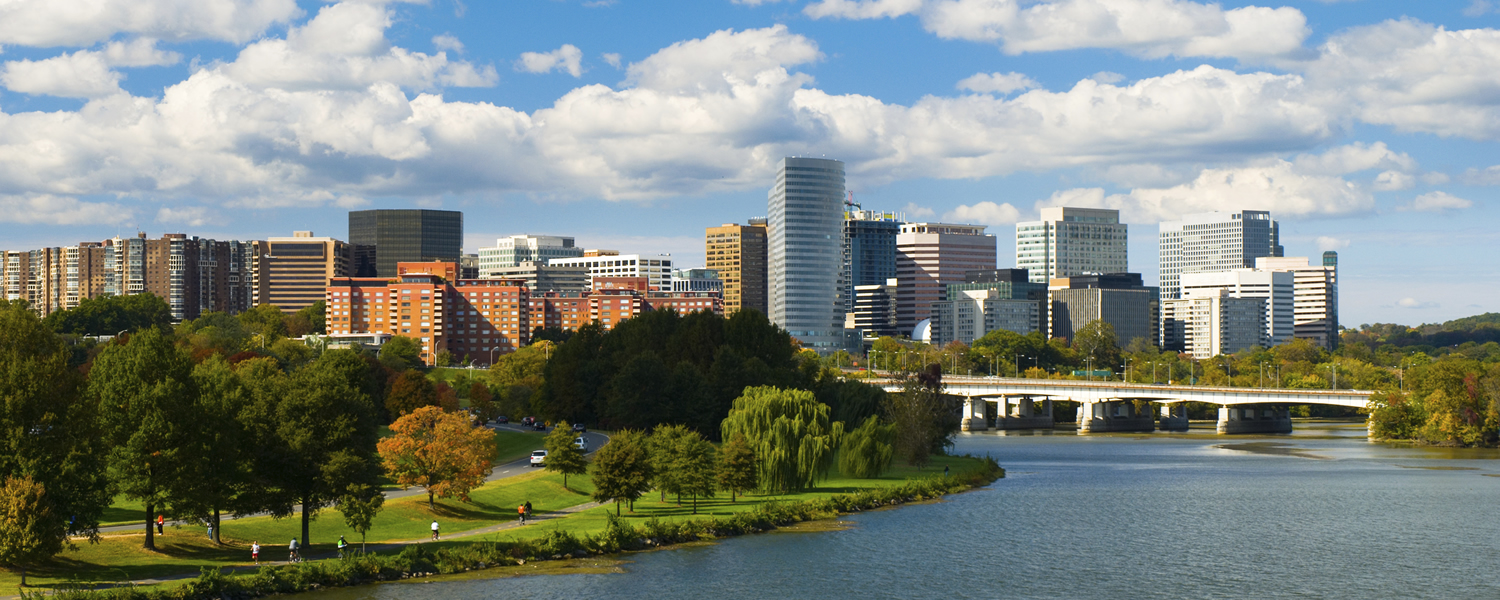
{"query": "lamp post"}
(1335, 368)
(1127, 369)
(1088, 364)
(1229, 373)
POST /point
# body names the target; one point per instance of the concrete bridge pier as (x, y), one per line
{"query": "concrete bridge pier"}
(1112, 415)
(1174, 417)
(974, 417)
(1025, 415)
(1255, 418)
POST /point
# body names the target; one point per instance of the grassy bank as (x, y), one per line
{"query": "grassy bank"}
(592, 532)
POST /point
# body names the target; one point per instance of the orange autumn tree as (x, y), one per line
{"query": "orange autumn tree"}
(439, 451)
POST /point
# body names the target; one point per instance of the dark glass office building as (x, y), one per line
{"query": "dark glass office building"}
(382, 238)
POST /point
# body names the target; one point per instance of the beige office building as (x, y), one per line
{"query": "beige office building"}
(1315, 290)
(738, 254)
(929, 256)
(293, 272)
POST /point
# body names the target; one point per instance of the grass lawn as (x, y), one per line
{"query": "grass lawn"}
(123, 511)
(515, 445)
(183, 550)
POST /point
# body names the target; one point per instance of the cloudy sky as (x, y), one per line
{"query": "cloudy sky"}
(1365, 126)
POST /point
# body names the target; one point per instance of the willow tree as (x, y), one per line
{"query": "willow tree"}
(790, 432)
(866, 451)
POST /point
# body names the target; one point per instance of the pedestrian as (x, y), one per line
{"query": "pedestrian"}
(521, 512)
(945, 470)
(255, 551)
(528, 509)
(210, 531)
(434, 531)
(292, 551)
(160, 520)
(342, 545)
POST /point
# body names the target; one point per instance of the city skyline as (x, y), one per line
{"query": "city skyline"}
(1304, 124)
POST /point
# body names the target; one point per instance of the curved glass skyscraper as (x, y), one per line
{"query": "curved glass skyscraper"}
(805, 251)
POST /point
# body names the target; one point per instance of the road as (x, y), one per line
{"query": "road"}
(511, 469)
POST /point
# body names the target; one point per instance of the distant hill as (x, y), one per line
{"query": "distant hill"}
(1479, 329)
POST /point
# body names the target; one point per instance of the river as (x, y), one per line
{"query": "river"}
(1321, 513)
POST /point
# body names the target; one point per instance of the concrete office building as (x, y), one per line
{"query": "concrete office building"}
(986, 301)
(874, 310)
(738, 254)
(869, 251)
(929, 256)
(701, 279)
(539, 277)
(1115, 298)
(1072, 241)
(804, 250)
(1272, 287)
(293, 272)
(517, 249)
(1215, 241)
(1316, 292)
(384, 237)
(608, 263)
(1209, 325)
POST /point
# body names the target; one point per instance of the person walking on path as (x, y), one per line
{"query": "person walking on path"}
(160, 520)
(342, 545)
(528, 509)
(521, 512)
(292, 554)
(434, 531)
(255, 551)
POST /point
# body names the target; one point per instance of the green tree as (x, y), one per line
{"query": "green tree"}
(737, 466)
(790, 432)
(264, 322)
(562, 456)
(1096, 341)
(220, 470)
(293, 353)
(49, 428)
(867, 450)
(145, 392)
(482, 401)
(410, 391)
(697, 467)
(401, 353)
(666, 447)
(359, 505)
(320, 435)
(28, 532)
(443, 359)
(622, 469)
(215, 331)
(314, 317)
(923, 419)
(108, 315)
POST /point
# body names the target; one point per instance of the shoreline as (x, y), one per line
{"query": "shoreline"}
(617, 539)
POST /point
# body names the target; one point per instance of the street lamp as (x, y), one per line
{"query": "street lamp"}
(1088, 364)
(1335, 368)
(1229, 372)
(1127, 369)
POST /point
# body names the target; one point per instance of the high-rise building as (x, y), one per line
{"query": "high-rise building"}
(1316, 296)
(293, 272)
(385, 237)
(1119, 299)
(541, 277)
(1209, 325)
(986, 301)
(1071, 241)
(1215, 241)
(701, 279)
(874, 310)
(607, 263)
(929, 256)
(738, 253)
(514, 250)
(869, 252)
(1275, 288)
(804, 247)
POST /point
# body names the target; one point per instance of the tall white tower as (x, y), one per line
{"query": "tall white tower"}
(804, 251)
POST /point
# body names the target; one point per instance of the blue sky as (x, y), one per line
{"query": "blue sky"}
(1366, 127)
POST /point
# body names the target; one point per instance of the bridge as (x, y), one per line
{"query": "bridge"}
(1111, 405)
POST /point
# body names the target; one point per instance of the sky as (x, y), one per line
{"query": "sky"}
(1365, 126)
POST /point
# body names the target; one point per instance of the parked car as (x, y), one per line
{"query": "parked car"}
(581, 444)
(502, 419)
(539, 458)
(539, 425)
(579, 428)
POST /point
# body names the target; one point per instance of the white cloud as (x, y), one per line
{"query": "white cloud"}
(140, 52)
(567, 58)
(344, 48)
(191, 216)
(1147, 28)
(916, 211)
(448, 43)
(1353, 158)
(1486, 176)
(1326, 243)
(47, 23)
(1388, 181)
(1479, 8)
(1109, 77)
(1413, 76)
(1001, 83)
(48, 209)
(984, 213)
(1410, 302)
(612, 59)
(1437, 202)
(82, 74)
